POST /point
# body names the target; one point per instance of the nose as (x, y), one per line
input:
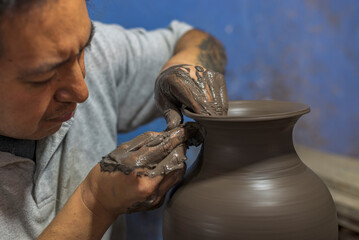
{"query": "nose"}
(73, 87)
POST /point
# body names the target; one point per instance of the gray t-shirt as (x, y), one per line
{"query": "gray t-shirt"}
(121, 67)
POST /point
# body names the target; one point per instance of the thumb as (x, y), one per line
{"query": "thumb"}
(173, 117)
(166, 103)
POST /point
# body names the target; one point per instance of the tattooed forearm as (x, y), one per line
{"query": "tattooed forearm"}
(212, 54)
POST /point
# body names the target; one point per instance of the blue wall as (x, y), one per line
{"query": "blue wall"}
(299, 50)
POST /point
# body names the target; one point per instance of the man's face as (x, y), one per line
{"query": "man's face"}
(42, 67)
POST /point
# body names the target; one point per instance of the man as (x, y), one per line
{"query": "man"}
(49, 142)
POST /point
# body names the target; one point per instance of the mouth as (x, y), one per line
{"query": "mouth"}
(65, 116)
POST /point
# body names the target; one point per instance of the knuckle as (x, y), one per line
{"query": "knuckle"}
(150, 134)
(146, 192)
(146, 187)
(123, 146)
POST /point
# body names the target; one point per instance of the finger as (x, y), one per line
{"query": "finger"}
(197, 90)
(167, 183)
(147, 155)
(171, 179)
(170, 111)
(154, 154)
(145, 204)
(191, 94)
(173, 118)
(155, 200)
(213, 82)
(210, 91)
(220, 98)
(174, 161)
(224, 96)
(182, 89)
(167, 173)
(152, 202)
(206, 85)
(158, 203)
(137, 142)
(133, 145)
(148, 189)
(122, 158)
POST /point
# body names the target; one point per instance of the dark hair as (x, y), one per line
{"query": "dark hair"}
(11, 5)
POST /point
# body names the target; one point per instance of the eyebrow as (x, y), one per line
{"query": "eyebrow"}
(47, 67)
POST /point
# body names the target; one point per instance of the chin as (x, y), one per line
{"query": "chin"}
(45, 133)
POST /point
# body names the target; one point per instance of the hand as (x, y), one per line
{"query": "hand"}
(137, 174)
(199, 89)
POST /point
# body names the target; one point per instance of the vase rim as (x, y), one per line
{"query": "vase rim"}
(256, 110)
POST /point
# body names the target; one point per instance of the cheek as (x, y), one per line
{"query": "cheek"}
(33, 102)
(23, 110)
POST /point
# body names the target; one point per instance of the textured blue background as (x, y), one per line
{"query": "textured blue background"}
(299, 50)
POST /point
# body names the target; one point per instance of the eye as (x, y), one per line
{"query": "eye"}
(43, 82)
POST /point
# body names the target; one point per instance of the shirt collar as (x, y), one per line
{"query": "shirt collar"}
(18, 147)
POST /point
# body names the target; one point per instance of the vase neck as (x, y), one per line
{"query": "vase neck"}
(239, 144)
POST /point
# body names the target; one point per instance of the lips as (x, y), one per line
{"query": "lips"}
(64, 117)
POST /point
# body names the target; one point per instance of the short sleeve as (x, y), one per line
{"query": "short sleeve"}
(129, 62)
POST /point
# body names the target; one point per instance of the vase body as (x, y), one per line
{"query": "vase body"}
(249, 183)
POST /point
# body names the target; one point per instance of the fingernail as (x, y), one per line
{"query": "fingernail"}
(199, 68)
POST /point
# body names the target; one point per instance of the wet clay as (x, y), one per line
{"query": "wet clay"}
(249, 183)
(155, 153)
(204, 91)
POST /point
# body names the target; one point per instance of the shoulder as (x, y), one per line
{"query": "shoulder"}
(107, 32)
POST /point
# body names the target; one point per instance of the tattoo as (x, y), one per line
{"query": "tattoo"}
(212, 54)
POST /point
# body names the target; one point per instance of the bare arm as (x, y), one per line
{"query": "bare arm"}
(77, 221)
(199, 48)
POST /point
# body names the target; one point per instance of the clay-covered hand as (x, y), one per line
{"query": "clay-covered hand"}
(157, 153)
(137, 174)
(201, 90)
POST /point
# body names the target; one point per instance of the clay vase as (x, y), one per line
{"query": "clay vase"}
(249, 183)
